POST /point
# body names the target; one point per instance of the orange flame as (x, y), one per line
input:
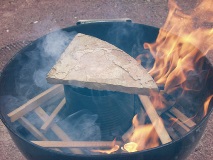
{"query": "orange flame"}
(143, 137)
(177, 50)
(174, 120)
(183, 41)
(107, 151)
(157, 100)
(130, 147)
(206, 105)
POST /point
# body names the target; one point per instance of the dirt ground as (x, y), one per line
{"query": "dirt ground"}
(25, 20)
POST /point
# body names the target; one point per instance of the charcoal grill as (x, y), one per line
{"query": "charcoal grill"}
(126, 36)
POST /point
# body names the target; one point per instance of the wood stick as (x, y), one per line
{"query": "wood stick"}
(172, 133)
(155, 119)
(76, 144)
(53, 100)
(32, 129)
(178, 122)
(128, 134)
(56, 129)
(48, 122)
(187, 121)
(35, 102)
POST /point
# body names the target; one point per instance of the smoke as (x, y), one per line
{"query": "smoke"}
(82, 126)
(31, 80)
(52, 47)
(39, 61)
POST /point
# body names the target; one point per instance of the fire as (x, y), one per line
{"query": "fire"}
(130, 147)
(157, 100)
(183, 41)
(114, 148)
(206, 104)
(107, 151)
(143, 137)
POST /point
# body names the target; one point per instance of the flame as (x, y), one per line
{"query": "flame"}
(130, 147)
(174, 120)
(143, 137)
(182, 42)
(114, 148)
(157, 100)
(107, 151)
(206, 105)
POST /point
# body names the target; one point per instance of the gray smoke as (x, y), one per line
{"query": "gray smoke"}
(52, 47)
(31, 80)
(82, 126)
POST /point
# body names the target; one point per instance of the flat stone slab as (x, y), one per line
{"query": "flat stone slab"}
(95, 64)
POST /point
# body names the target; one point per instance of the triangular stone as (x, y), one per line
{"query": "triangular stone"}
(95, 64)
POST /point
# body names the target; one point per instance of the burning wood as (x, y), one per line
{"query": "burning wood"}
(77, 144)
(111, 69)
(176, 121)
(140, 119)
(95, 64)
(48, 122)
(55, 91)
(107, 151)
(187, 121)
(155, 119)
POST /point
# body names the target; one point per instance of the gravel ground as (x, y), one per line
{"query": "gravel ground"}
(24, 20)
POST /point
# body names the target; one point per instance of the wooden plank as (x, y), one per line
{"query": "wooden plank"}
(35, 102)
(178, 122)
(128, 134)
(187, 121)
(54, 99)
(76, 144)
(155, 119)
(32, 129)
(172, 133)
(56, 129)
(48, 122)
